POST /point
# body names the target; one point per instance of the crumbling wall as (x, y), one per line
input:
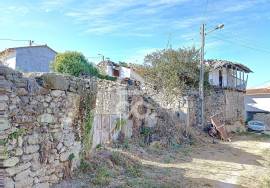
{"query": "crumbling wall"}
(40, 126)
(159, 117)
(176, 105)
(111, 113)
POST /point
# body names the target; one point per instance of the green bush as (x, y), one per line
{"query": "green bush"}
(73, 63)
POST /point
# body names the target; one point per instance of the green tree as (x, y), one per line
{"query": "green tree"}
(73, 63)
(172, 71)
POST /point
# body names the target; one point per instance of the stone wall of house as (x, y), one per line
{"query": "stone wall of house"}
(40, 126)
(176, 105)
(227, 105)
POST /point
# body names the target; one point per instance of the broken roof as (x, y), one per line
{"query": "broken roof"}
(15, 48)
(215, 64)
(108, 62)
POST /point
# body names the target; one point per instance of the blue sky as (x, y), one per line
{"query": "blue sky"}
(126, 30)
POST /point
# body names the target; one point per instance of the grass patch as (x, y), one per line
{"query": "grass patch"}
(102, 177)
(130, 166)
(104, 165)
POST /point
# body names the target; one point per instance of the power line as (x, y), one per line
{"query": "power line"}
(15, 40)
(243, 44)
(265, 82)
(239, 37)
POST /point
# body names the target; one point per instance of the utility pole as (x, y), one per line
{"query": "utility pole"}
(201, 84)
(31, 42)
(102, 57)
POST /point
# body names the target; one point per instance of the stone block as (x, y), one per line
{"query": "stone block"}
(3, 106)
(55, 81)
(18, 152)
(4, 98)
(17, 169)
(31, 149)
(9, 183)
(57, 93)
(22, 175)
(41, 185)
(33, 139)
(10, 162)
(46, 118)
(5, 86)
(64, 156)
(4, 124)
(27, 181)
(22, 92)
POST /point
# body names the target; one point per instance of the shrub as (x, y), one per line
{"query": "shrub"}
(73, 63)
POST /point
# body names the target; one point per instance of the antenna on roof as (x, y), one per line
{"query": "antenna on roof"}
(31, 42)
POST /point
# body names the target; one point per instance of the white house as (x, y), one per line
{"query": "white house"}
(28, 58)
(228, 75)
(257, 100)
(122, 72)
(257, 104)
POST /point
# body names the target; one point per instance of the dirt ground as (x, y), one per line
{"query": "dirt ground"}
(243, 162)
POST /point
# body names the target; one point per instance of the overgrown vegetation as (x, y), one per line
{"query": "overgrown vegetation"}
(88, 123)
(106, 165)
(172, 71)
(75, 64)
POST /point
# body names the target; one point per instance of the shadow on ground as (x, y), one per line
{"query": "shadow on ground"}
(240, 163)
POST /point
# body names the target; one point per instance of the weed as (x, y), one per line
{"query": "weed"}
(102, 177)
(141, 143)
(85, 166)
(126, 144)
(116, 158)
(16, 134)
(186, 151)
(168, 159)
(133, 171)
(99, 146)
(71, 157)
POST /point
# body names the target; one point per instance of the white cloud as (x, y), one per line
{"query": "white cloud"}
(112, 15)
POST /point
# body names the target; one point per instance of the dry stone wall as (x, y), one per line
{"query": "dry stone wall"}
(227, 105)
(42, 120)
(40, 126)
